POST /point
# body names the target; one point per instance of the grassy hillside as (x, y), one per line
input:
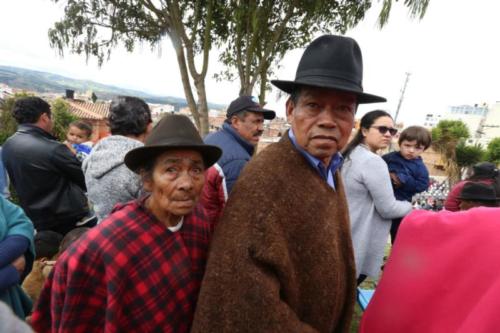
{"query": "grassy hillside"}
(47, 82)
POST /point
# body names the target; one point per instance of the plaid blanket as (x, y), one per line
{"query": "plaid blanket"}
(128, 274)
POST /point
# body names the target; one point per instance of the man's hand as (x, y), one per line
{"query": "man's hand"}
(395, 180)
(20, 264)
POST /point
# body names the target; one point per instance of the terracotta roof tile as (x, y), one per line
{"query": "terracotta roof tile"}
(87, 110)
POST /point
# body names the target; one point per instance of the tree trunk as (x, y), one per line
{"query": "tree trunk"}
(202, 107)
(188, 92)
(263, 86)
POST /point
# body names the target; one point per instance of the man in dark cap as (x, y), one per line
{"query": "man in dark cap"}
(281, 259)
(238, 138)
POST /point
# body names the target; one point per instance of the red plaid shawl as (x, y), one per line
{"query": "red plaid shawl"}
(128, 274)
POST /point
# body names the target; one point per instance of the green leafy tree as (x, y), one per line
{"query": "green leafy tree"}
(468, 155)
(493, 151)
(445, 138)
(61, 118)
(261, 32)
(8, 124)
(96, 27)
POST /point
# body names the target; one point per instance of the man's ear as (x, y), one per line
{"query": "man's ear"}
(290, 107)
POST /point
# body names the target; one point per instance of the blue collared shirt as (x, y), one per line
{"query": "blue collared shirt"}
(326, 174)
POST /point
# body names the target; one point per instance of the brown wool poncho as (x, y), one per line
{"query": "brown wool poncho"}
(281, 259)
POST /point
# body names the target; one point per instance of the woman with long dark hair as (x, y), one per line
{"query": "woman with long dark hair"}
(369, 192)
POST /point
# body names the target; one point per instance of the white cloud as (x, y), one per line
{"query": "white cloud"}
(452, 55)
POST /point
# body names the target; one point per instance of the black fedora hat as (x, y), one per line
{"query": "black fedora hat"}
(333, 62)
(171, 132)
(473, 191)
(485, 170)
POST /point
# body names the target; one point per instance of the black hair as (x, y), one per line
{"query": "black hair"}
(366, 122)
(70, 237)
(129, 116)
(47, 244)
(27, 110)
(82, 125)
(416, 133)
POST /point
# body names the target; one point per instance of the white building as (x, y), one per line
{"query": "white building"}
(490, 127)
(471, 116)
(482, 121)
(431, 120)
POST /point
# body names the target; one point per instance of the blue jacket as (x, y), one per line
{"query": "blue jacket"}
(413, 175)
(221, 177)
(236, 152)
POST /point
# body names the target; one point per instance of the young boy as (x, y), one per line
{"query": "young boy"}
(408, 173)
(78, 139)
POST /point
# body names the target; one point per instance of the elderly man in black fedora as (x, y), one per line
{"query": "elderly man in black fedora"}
(140, 269)
(281, 259)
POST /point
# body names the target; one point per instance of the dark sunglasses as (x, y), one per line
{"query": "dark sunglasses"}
(384, 129)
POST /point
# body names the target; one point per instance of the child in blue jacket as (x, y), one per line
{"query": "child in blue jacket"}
(409, 175)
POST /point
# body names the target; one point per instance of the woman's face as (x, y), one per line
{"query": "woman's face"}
(175, 184)
(373, 136)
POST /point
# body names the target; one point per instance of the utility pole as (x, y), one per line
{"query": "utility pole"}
(401, 97)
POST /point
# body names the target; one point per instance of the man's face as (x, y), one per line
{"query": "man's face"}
(410, 150)
(45, 122)
(250, 127)
(322, 120)
(176, 183)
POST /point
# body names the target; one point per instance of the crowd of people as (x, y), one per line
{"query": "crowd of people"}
(155, 229)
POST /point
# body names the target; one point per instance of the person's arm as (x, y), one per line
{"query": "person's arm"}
(19, 239)
(232, 171)
(11, 248)
(414, 183)
(69, 165)
(377, 181)
(11, 274)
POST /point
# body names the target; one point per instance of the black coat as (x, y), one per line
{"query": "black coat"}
(47, 177)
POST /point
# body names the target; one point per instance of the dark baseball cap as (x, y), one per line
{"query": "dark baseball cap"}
(248, 103)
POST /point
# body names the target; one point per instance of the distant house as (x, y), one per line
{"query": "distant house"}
(94, 113)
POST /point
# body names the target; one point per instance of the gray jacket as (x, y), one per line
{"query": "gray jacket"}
(108, 179)
(372, 205)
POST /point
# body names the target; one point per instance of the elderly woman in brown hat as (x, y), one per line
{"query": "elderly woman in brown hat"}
(140, 269)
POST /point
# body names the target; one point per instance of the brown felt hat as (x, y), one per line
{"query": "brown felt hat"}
(171, 132)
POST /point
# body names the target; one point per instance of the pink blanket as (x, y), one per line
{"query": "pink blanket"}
(443, 275)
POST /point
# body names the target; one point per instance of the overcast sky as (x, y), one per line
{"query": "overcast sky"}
(453, 56)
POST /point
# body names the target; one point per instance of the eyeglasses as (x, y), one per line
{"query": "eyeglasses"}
(384, 129)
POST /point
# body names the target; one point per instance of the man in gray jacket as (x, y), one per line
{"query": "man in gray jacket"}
(108, 180)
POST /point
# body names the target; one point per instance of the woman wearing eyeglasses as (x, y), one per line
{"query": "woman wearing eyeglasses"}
(369, 192)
